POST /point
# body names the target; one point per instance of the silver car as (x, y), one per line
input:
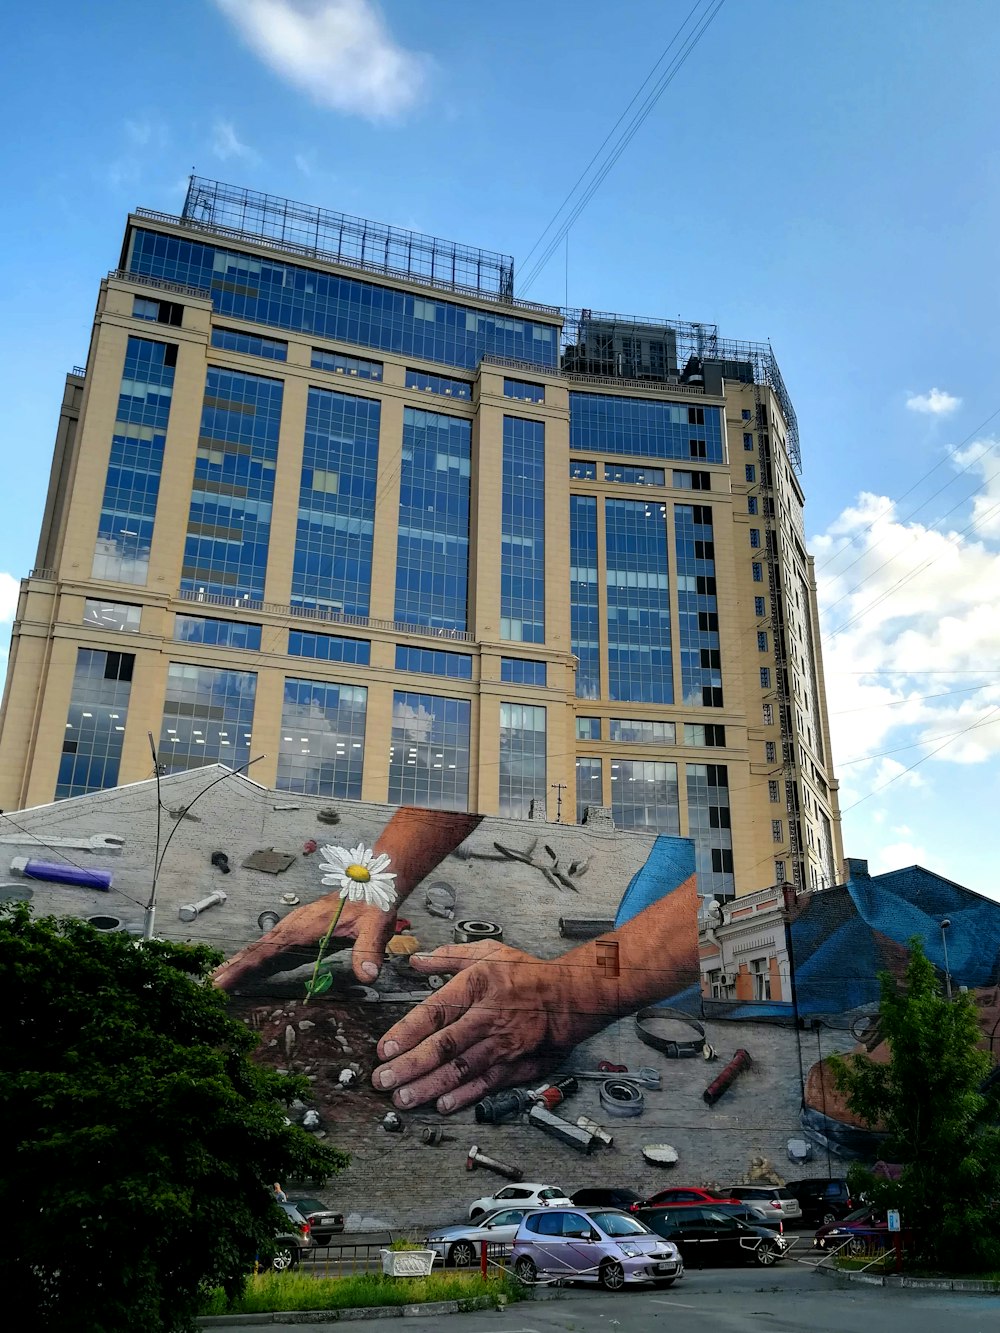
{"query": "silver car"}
(593, 1245)
(460, 1244)
(776, 1202)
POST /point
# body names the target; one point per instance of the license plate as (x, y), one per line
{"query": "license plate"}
(666, 1268)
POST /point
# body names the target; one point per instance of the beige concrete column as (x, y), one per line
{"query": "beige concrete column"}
(145, 712)
(50, 729)
(378, 738)
(173, 506)
(484, 526)
(390, 461)
(557, 610)
(484, 778)
(266, 730)
(287, 484)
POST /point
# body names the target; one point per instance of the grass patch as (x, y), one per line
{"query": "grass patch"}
(267, 1292)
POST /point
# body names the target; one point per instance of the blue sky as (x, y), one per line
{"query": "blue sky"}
(826, 176)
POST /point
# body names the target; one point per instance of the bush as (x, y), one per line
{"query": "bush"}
(267, 1292)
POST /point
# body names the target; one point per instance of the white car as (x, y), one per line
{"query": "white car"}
(524, 1195)
(460, 1244)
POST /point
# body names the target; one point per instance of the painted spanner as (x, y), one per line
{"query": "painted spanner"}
(369, 995)
(646, 1076)
(107, 843)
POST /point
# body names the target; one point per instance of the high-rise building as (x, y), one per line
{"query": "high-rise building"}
(328, 493)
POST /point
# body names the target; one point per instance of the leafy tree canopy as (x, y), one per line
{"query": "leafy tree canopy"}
(937, 1103)
(141, 1141)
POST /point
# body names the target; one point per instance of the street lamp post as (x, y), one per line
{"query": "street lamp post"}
(945, 925)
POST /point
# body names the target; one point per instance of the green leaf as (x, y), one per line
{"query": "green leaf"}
(319, 984)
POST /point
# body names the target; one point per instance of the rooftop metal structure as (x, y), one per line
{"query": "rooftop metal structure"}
(318, 233)
(658, 352)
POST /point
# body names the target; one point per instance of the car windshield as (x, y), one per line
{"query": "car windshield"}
(857, 1215)
(619, 1224)
(309, 1205)
(292, 1212)
(716, 1194)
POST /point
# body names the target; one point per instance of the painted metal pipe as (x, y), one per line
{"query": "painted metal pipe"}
(740, 1062)
(55, 873)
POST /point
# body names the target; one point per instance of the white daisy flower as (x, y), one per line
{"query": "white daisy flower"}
(361, 875)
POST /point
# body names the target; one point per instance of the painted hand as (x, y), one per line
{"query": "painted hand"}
(504, 1018)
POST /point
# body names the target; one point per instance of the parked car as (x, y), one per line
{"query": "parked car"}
(593, 1245)
(775, 1199)
(689, 1194)
(626, 1199)
(291, 1242)
(823, 1201)
(524, 1195)
(460, 1244)
(756, 1217)
(860, 1230)
(707, 1236)
(324, 1223)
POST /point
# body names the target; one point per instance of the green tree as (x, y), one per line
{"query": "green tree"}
(940, 1121)
(141, 1141)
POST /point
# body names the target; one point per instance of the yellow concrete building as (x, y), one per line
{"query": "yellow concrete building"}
(329, 498)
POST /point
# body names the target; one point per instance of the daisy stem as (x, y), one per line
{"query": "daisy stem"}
(322, 949)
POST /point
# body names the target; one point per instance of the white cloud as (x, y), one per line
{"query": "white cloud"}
(937, 403)
(340, 52)
(226, 143)
(9, 589)
(896, 856)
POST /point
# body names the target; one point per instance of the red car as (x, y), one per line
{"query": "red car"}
(864, 1229)
(677, 1197)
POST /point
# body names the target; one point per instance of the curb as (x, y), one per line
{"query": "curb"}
(466, 1306)
(973, 1286)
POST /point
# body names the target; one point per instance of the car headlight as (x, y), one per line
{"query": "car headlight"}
(630, 1251)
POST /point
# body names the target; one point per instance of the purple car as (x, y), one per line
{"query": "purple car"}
(593, 1245)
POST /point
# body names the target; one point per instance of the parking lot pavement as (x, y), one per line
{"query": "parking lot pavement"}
(788, 1299)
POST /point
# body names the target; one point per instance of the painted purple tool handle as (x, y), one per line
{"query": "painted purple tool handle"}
(62, 874)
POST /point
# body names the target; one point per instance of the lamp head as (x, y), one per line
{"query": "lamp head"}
(946, 923)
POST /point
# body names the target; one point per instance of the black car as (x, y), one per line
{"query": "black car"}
(706, 1236)
(625, 1199)
(324, 1223)
(822, 1201)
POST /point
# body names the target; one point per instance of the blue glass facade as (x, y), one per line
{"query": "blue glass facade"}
(251, 344)
(584, 608)
(644, 427)
(709, 826)
(639, 651)
(523, 671)
(589, 785)
(322, 748)
(522, 533)
(128, 510)
(305, 300)
(358, 367)
(697, 607)
(207, 717)
(441, 384)
(95, 724)
(524, 390)
(229, 526)
(434, 661)
(432, 552)
(332, 568)
(328, 647)
(522, 761)
(634, 476)
(644, 795)
(219, 633)
(429, 753)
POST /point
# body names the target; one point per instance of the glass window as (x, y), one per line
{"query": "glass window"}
(639, 651)
(779, 872)
(588, 728)
(522, 761)
(765, 678)
(219, 633)
(328, 647)
(432, 550)
(252, 344)
(139, 436)
(634, 476)
(711, 734)
(161, 312)
(118, 616)
(527, 393)
(691, 481)
(332, 569)
(762, 640)
(95, 723)
(143, 308)
(522, 539)
(229, 526)
(746, 414)
(207, 717)
(448, 388)
(585, 629)
(429, 752)
(582, 471)
(697, 607)
(356, 367)
(770, 752)
(522, 671)
(751, 504)
(755, 537)
(322, 744)
(434, 662)
(589, 785)
(645, 428)
(759, 608)
(637, 731)
(709, 824)
(747, 440)
(751, 472)
(777, 830)
(644, 795)
(773, 791)
(295, 297)
(758, 572)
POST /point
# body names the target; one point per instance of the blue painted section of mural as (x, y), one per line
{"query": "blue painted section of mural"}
(670, 865)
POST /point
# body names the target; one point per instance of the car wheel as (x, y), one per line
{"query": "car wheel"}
(829, 1217)
(462, 1254)
(612, 1275)
(525, 1270)
(766, 1254)
(855, 1246)
(284, 1259)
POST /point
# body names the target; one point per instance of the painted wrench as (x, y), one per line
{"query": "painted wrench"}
(107, 843)
(369, 995)
(646, 1076)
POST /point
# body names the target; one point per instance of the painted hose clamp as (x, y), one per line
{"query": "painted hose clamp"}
(468, 932)
(683, 1049)
(621, 1098)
